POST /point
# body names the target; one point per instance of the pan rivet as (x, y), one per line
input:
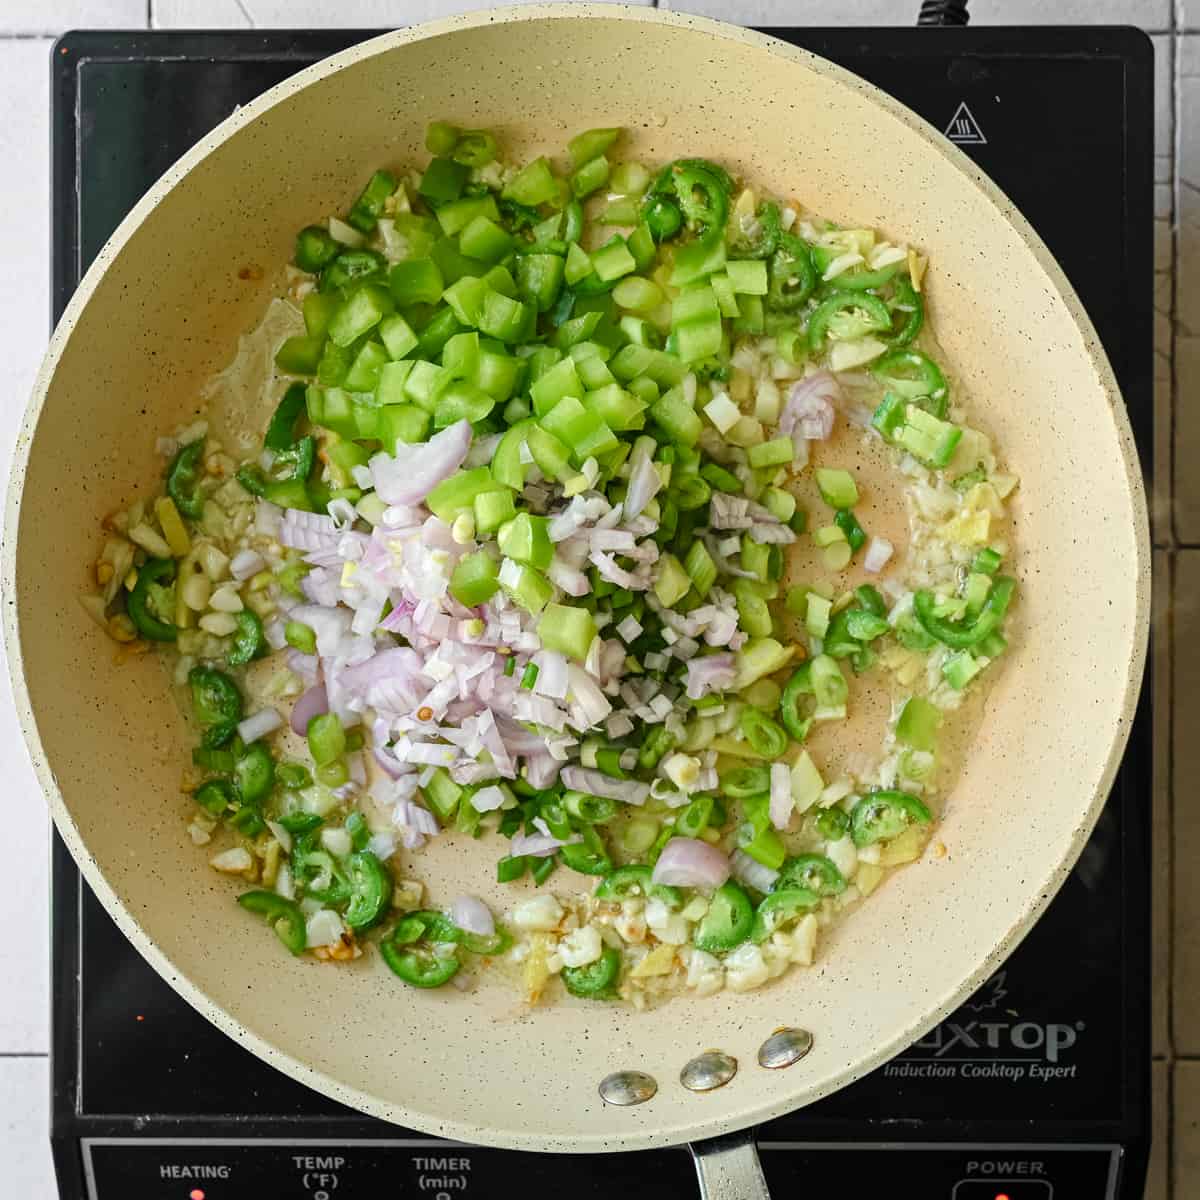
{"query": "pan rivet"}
(784, 1047)
(707, 1071)
(627, 1087)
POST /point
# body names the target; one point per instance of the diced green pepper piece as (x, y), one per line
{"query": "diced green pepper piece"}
(568, 629)
(416, 281)
(443, 180)
(526, 539)
(474, 580)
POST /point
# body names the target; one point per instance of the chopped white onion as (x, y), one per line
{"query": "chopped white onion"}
(879, 551)
(746, 870)
(246, 563)
(473, 916)
(263, 722)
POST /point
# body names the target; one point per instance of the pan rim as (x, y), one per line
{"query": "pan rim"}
(655, 1135)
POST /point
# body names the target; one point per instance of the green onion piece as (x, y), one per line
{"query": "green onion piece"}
(837, 487)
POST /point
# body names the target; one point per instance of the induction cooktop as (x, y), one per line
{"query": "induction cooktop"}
(1035, 1089)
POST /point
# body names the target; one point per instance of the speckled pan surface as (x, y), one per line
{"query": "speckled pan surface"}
(160, 311)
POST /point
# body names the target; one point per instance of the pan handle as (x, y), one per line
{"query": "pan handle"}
(728, 1167)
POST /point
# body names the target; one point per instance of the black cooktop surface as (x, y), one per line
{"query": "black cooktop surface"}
(1035, 1087)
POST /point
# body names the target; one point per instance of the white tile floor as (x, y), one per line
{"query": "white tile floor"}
(25, 29)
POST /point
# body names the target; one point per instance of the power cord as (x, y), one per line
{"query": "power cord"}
(943, 12)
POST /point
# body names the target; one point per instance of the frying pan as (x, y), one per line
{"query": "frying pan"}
(193, 266)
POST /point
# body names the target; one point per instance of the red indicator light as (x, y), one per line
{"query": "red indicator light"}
(197, 1194)
(999, 1196)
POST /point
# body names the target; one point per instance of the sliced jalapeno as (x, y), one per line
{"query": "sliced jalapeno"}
(960, 635)
(848, 314)
(217, 736)
(766, 738)
(792, 276)
(407, 931)
(799, 685)
(585, 859)
(419, 966)
(765, 239)
(370, 889)
(254, 774)
(283, 915)
(595, 810)
(295, 464)
(881, 816)
(215, 697)
(813, 873)
(597, 980)
(215, 796)
(781, 908)
(249, 641)
(634, 880)
(728, 922)
(908, 312)
(183, 479)
(281, 432)
(153, 575)
(833, 823)
(662, 217)
(746, 781)
(911, 374)
(299, 823)
(695, 818)
(294, 776)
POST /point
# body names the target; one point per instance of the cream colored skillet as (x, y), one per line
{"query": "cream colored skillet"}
(160, 311)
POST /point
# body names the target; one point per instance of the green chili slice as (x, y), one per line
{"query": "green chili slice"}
(418, 966)
(585, 859)
(595, 810)
(254, 774)
(766, 738)
(281, 432)
(838, 310)
(152, 576)
(215, 796)
(746, 781)
(183, 479)
(695, 818)
(249, 641)
(215, 697)
(597, 980)
(962, 635)
(833, 824)
(799, 685)
(792, 276)
(813, 873)
(880, 816)
(781, 908)
(908, 312)
(634, 880)
(728, 922)
(764, 240)
(283, 915)
(370, 890)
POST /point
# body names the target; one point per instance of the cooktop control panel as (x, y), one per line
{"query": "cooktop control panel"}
(212, 1169)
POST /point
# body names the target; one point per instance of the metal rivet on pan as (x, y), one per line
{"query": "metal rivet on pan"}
(709, 1070)
(784, 1047)
(627, 1087)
